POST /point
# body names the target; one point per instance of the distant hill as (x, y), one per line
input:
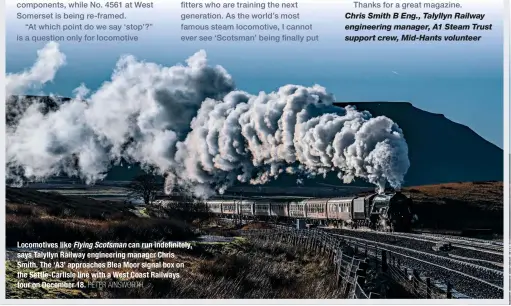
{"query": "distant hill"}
(440, 150)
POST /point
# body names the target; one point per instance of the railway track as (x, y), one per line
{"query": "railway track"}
(468, 278)
(426, 254)
(483, 245)
(476, 276)
(496, 244)
(476, 252)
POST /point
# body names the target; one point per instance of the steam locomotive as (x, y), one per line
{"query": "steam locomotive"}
(388, 211)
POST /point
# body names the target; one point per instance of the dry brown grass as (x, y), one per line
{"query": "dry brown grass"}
(244, 270)
(35, 216)
(55, 229)
(59, 205)
(487, 195)
(256, 225)
(457, 206)
(240, 269)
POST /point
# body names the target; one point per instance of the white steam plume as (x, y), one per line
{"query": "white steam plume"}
(49, 60)
(190, 123)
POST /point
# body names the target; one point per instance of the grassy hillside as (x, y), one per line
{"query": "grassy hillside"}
(459, 205)
(235, 269)
(51, 217)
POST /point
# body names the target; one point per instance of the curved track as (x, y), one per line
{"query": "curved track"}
(476, 278)
(490, 243)
(477, 251)
(488, 246)
(473, 267)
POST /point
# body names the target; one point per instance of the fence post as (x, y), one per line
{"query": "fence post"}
(325, 245)
(384, 260)
(361, 273)
(348, 289)
(376, 256)
(334, 259)
(359, 281)
(346, 277)
(339, 267)
(415, 282)
(449, 290)
(332, 250)
(428, 288)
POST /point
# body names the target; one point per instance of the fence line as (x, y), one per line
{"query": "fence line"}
(422, 287)
(349, 268)
(389, 263)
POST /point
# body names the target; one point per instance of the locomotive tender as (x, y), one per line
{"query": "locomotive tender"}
(389, 211)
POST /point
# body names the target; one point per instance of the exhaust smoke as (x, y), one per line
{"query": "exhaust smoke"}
(191, 124)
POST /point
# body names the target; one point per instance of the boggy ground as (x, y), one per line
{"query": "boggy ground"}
(239, 268)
